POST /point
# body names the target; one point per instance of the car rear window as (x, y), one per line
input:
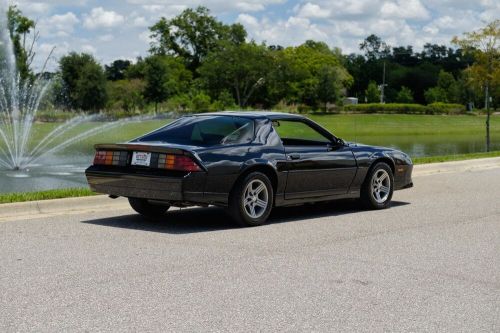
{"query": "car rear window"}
(204, 131)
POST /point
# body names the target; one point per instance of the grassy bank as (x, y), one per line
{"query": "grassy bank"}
(45, 195)
(459, 157)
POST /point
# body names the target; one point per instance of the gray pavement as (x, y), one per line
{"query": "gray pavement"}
(429, 263)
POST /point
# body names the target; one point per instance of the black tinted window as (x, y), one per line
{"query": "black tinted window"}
(204, 131)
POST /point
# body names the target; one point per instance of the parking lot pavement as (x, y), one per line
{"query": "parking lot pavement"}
(429, 263)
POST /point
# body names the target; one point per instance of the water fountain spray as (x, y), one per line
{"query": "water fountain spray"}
(19, 101)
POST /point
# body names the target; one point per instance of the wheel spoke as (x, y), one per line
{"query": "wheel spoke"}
(261, 203)
(252, 210)
(259, 189)
(383, 176)
(384, 189)
(377, 195)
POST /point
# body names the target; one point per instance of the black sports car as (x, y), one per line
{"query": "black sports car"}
(248, 162)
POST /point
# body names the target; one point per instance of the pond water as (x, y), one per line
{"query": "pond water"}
(66, 169)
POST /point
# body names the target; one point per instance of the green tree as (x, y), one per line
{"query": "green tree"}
(117, 69)
(310, 74)
(126, 94)
(435, 94)
(372, 93)
(165, 76)
(330, 85)
(224, 101)
(201, 102)
(84, 81)
(405, 95)
(21, 29)
(449, 85)
(241, 68)
(483, 44)
(192, 35)
(136, 70)
(374, 47)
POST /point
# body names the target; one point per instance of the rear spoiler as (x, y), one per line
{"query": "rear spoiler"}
(142, 147)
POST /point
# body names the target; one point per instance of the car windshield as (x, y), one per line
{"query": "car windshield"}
(204, 131)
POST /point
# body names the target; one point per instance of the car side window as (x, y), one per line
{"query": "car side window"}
(204, 131)
(297, 133)
(243, 134)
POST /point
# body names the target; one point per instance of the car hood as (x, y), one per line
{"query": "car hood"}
(362, 145)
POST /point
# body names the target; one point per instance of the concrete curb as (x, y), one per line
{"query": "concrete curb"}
(99, 202)
(456, 166)
(103, 203)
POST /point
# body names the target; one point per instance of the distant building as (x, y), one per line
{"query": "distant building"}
(350, 100)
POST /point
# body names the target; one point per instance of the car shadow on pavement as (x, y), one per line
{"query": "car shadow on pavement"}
(193, 220)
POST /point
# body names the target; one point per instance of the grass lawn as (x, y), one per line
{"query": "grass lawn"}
(45, 195)
(400, 124)
(458, 157)
(346, 126)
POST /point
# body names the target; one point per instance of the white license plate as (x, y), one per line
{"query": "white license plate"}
(141, 158)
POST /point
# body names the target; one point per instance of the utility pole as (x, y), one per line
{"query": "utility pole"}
(382, 87)
(487, 105)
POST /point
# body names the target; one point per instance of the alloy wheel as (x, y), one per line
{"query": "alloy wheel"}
(255, 198)
(381, 186)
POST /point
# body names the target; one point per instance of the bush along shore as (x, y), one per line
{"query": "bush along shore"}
(433, 108)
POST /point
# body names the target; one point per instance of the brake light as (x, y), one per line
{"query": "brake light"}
(177, 162)
(108, 157)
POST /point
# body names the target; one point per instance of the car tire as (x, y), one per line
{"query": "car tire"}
(143, 207)
(251, 200)
(378, 187)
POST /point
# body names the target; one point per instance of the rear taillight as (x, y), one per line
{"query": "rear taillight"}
(177, 162)
(109, 157)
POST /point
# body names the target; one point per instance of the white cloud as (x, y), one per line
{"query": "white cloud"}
(311, 10)
(140, 22)
(39, 7)
(100, 18)
(106, 38)
(405, 9)
(63, 22)
(163, 7)
(59, 25)
(145, 37)
(294, 30)
(87, 48)
(248, 20)
(250, 6)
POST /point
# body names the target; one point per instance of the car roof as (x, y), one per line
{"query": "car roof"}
(253, 114)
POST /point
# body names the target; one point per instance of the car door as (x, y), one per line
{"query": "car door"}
(316, 166)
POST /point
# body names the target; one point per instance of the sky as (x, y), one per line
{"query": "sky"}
(113, 29)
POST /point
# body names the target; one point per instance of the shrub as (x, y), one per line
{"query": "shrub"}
(446, 108)
(201, 102)
(304, 108)
(434, 108)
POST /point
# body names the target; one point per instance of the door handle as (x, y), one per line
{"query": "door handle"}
(294, 156)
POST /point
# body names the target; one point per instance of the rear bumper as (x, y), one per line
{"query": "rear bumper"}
(187, 188)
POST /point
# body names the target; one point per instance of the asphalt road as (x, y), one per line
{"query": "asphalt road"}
(429, 263)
